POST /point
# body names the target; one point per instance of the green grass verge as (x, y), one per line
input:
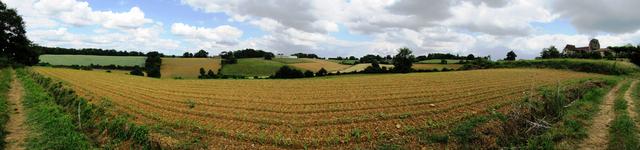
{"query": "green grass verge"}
(5, 86)
(252, 67)
(50, 126)
(623, 132)
(85, 60)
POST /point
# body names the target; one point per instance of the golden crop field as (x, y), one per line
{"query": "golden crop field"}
(315, 65)
(345, 112)
(188, 67)
(362, 66)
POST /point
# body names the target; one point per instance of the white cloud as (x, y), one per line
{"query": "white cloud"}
(601, 15)
(208, 38)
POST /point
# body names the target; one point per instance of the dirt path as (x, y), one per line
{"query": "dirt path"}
(598, 132)
(16, 129)
(629, 98)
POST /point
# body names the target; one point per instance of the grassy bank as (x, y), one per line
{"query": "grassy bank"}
(581, 65)
(59, 112)
(5, 82)
(50, 126)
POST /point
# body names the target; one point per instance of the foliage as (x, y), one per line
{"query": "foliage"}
(201, 54)
(511, 56)
(403, 61)
(551, 52)
(152, 64)
(287, 72)
(308, 74)
(321, 72)
(14, 44)
(136, 71)
(635, 58)
(303, 55)
(187, 55)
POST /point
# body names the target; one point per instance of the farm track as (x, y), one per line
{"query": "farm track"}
(308, 111)
(599, 129)
(16, 127)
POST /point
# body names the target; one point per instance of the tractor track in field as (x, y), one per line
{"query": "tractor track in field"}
(16, 128)
(598, 131)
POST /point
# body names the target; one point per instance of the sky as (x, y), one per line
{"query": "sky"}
(331, 28)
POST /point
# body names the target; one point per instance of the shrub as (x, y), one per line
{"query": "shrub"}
(321, 72)
(308, 74)
(136, 71)
(288, 72)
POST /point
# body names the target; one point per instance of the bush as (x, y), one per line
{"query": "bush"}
(321, 72)
(287, 72)
(308, 74)
(136, 71)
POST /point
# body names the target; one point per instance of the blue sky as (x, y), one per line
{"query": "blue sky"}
(328, 27)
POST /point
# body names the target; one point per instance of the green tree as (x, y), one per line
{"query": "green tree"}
(14, 44)
(201, 54)
(511, 56)
(152, 64)
(443, 61)
(551, 52)
(136, 71)
(202, 73)
(403, 61)
(308, 74)
(470, 57)
(210, 74)
(321, 72)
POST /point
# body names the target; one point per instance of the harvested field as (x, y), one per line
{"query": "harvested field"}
(315, 65)
(188, 67)
(347, 112)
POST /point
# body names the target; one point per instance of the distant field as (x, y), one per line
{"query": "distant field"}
(291, 60)
(316, 64)
(435, 66)
(340, 112)
(85, 60)
(437, 61)
(346, 62)
(361, 67)
(187, 67)
(252, 67)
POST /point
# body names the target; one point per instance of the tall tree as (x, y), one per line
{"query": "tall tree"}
(511, 56)
(403, 61)
(14, 44)
(201, 54)
(152, 64)
(551, 52)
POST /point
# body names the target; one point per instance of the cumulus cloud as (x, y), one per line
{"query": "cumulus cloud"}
(601, 15)
(208, 38)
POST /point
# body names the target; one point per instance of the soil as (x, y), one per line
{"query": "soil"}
(16, 128)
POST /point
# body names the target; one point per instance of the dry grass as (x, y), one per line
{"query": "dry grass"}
(187, 67)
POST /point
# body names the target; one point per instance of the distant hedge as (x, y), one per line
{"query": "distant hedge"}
(580, 65)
